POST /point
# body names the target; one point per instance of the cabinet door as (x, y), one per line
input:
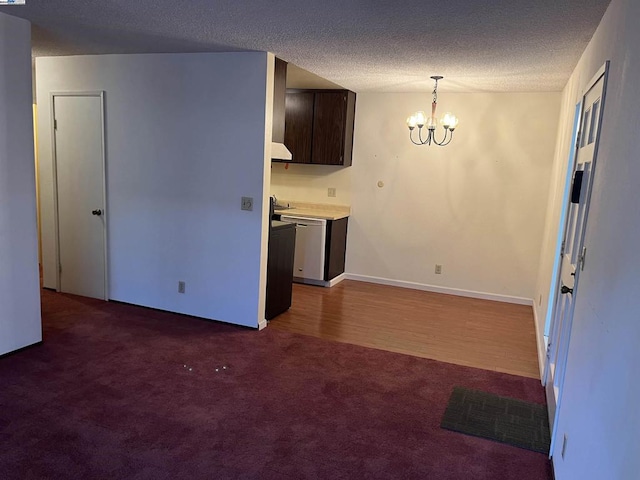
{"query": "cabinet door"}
(279, 91)
(328, 128)
(298, 125)
(280, 271)
(336, 248)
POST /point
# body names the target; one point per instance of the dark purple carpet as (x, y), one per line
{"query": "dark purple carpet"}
(108, 396)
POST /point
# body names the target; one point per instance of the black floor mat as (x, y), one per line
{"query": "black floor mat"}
(503, 419)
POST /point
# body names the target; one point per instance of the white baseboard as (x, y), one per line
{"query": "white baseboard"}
(445, 290)
(262, 324)
(321, 283)
(540, 343)
(336, 280)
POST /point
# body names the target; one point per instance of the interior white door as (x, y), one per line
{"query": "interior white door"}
(573, 252)
(81, 221)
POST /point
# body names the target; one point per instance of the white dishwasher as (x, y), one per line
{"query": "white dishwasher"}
(308, 263)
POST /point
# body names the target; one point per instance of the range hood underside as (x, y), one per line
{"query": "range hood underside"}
(280, 152)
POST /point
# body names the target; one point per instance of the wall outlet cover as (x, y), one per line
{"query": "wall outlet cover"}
(181, 287)
(247, 204)
(331, 192)
(438, 269)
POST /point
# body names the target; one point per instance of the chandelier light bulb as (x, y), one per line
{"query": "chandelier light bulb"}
(412, 122)
(449, 120)
(421, 118)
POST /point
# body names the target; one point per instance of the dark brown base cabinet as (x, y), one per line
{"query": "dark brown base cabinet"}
(319, 126)
(282, 244)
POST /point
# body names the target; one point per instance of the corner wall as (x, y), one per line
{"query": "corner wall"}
(20, 322)
(185, 140)
(598, 411)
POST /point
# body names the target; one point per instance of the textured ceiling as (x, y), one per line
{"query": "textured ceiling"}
(364, 45)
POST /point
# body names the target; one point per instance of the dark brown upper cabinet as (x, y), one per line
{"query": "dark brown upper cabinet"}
(298, 126)
(319, 126)
(279, 91)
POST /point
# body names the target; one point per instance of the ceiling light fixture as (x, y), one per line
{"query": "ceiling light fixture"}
(448, 121)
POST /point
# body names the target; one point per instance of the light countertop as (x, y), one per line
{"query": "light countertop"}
(314, 210)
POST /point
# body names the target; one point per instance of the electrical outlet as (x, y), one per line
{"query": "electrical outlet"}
(247, 203)
(438, 269)
(181, 287)
(331, 192)
(564, 446)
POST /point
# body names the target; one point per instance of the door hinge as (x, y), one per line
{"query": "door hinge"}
(583, 257)
(60, 268)
(578, 140)
(55, 124)
(564, 244)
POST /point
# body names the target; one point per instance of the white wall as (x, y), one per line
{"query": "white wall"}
(599, 408)
(20, 323)
(185, 136)
(476, 206)
(309, 183)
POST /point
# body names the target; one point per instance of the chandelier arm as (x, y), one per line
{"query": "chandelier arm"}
(411, 138)
(427, 141)
(422, 142)
(441, 143)
(444, 140)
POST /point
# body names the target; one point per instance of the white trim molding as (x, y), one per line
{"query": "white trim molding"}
(262, 324)
(540, 343)
(445, 290)
(336, 280)
(321, 283)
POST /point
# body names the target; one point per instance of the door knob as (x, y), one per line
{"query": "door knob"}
(566, 289)
(97, 212)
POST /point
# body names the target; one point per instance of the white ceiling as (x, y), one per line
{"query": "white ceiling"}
(364, 45)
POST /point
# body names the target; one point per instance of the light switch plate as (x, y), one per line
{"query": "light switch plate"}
(247, 203)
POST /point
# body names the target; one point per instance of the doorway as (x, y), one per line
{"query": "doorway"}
(80, 193)
(573, 250)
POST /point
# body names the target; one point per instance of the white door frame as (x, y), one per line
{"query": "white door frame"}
(555, 276)
(602, 72)
(564, 221)
(99, 94)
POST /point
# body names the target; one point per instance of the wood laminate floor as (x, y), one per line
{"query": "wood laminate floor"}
(465, 331)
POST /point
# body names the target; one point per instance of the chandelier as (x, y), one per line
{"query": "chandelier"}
(419, 119)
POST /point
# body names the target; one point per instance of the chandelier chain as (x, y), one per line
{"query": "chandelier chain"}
(435, 92)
